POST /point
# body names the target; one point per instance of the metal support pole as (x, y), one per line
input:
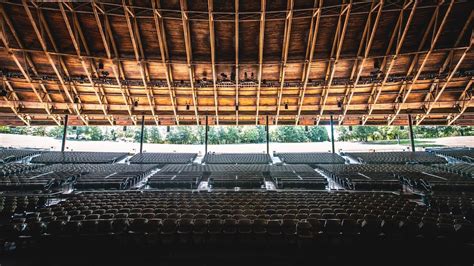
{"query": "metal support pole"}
(63, 144)
(332, 136)
(142, 135)
(268, 137)
(205, 135)
(412, 137)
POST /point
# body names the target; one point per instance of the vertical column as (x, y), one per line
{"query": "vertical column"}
(141, 134)
(63, 144)
(332, 135)
(268, 137)
(205, 135)
(412, 137)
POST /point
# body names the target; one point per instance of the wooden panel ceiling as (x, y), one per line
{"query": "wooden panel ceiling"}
(298, 62)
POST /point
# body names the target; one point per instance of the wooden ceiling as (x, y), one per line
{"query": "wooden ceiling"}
(237, 61)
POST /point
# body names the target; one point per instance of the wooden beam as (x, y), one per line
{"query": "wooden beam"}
(100, 97)
(464, 101)
(260, 55)
(434, 94)
(189, 53)
(336, 48)
(210, 6)
(161, 35)
(284, 56)
(313, 34)
(14, 107)
(400, 40)
(405, 93)
(439, 92)
(138, 50)
(45, 99)
(116, 66)
(237, 74)
(53, 64)
(365, 45)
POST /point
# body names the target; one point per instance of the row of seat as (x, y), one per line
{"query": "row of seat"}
(310, 158)
(11, 155)
(11, 204)
(53, 157)
(15, 168)
(465, 169)
(36, 181)
(395, 157)
(237, 158)
(163, 158)
(466, 155)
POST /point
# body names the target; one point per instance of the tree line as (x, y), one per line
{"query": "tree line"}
(238, 134)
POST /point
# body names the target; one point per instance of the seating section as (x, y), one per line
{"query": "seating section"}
(365, 177)
(37, 181)
(237, 158)
(282, 218)
(175, 179)
(11, 155)
(79, 157)
(464, 169)
(466, 155)
(310, 158)
(437, 181)
(297, 177)
(163, 158)
(15, 168)
(11, 204)
(395, 157)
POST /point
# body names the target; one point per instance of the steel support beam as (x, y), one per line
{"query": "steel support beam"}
(333, 148)
(63, 143)
(412, 137)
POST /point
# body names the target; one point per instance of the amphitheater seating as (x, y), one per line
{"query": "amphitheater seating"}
(310, 158)
(78, 157)
(184, 218)
(466, 155)
(178, 180)
(87, 168)
(437, 181)
(15, 168)
(298, 177)
(464, 169)
(237, 158)
(36, 181)
(395, 157)
(11, 204)
(11, 155)
(163, 158)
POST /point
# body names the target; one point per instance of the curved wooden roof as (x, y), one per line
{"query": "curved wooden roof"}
(298, 62)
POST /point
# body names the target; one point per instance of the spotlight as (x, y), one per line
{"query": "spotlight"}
(232, 76)
(124, 128)
(237, 108)
(339, 104)
(402, 127)
(350, 128)
(187, 107)
(74, 128)
(286, 106)
(76, 99)
(101, 65)
(246, 76)
(224, 76)
(252, 76)
(159, 122)
(168, 129)
(135, 103)
(306, 128)
(3, 92)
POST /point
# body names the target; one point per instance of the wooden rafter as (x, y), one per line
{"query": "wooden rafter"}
(365, 45)
(439, 92)
(261, 37)
(404, 93)
(14, 107)
(53, 63)
(237, 75)
(45, 99)
(138, 50)
(100, 96)
(284, 56)
(400, 40)
(189, 54)
(210, 6)
(335, 53)
(464, 101)
(434, 94)
(161, 35)
(313, 34)
(116, 66)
